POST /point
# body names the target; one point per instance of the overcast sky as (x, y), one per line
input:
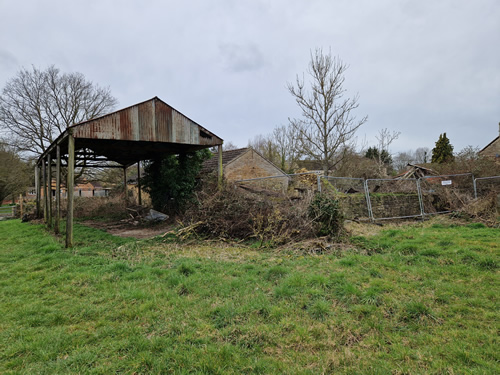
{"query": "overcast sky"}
(420, 67)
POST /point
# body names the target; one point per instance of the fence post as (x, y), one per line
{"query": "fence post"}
(368, 201)
(475, 187)
(420, 198)
(319, 183)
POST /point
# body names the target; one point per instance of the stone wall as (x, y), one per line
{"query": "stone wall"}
(383, 205)
(493, 150)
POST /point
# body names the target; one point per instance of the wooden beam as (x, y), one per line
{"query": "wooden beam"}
(125, 185)
(70, 190)
(220, 174)
(44, 190)
(57, 216)
(49, 190)
(38, 178)
(139, 193)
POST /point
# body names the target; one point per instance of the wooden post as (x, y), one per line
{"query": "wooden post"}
(70, 187)
(57, 216)
(125, 185)
(220, 174)
(49, 190)
(21, 206)
(44, 189)
(139, 193)
(37, 190)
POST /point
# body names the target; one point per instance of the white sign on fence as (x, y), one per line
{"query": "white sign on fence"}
(446, 182)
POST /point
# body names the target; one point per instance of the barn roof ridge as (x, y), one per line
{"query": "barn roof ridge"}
(123, 135)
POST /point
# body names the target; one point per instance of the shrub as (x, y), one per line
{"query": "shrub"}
(326, 212)
(171, 180)
(236, 213)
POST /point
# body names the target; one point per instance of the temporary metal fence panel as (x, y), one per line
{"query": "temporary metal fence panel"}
(351, 194)
(384, 199)
(393, 198)
(446, 193)
(484, 185)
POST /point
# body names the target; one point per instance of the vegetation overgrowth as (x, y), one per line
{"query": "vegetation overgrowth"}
(171, 180)
(401, 300)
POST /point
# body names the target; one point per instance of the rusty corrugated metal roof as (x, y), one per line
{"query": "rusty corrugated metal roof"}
(139, 132)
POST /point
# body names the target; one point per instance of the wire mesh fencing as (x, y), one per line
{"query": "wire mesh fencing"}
(485, 185)
(393, 198)
(351, 194)
(446, 193)
(381, 199)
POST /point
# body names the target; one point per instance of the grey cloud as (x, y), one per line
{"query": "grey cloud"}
(241, 57)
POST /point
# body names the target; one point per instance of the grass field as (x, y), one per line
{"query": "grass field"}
(406, 300)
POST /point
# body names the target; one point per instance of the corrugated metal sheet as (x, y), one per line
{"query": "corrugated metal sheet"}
(143, 131)
(151, 121)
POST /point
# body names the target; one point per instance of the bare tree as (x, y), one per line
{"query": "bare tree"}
(36, 106)
(384, 159)
(226, 146)
(286, 147)
(401, 160)
(327, 124)
(265, 145)
(422, 155)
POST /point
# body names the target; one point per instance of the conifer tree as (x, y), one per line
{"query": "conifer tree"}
(443, 152)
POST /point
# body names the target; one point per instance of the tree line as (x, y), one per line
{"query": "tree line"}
(38, 105)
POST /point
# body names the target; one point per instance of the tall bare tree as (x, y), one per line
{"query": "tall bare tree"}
(327, 124)
(285, 143)
(265, 145)
(37, 105)
(384, 159)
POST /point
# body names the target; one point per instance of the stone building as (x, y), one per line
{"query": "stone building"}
(492, 150)
(244, 164)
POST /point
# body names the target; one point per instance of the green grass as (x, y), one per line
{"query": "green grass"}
(421, 299)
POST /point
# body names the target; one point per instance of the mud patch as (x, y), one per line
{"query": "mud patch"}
(126, 229)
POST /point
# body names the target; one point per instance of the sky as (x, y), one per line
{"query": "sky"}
(419, 67)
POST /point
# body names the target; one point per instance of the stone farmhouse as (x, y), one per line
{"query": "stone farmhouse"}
(246, 163)
(492, 150)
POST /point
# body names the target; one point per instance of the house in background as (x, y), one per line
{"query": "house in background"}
(82, 189)
(492, 150)
(244, 164)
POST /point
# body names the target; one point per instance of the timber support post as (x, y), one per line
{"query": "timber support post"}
(37, 190)
(49, 190)
(57, 216)
(125, 185)
(139, 193)
(70, 188)
(220, 169)
(44, 190)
